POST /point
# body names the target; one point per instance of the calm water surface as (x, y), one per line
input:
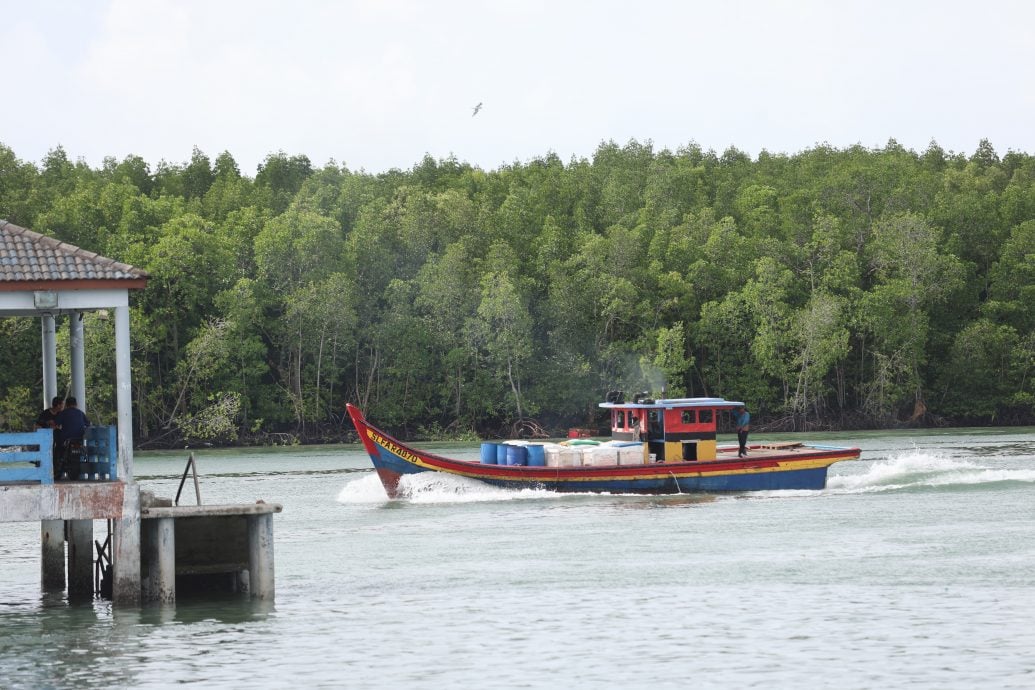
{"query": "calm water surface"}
(914, 568)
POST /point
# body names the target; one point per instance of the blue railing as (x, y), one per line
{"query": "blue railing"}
(28, 457)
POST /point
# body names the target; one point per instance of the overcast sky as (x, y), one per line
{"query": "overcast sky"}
(376, 84)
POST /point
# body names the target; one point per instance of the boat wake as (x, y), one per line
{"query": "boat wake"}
(912, 470)
(920, 469)
(433, 487)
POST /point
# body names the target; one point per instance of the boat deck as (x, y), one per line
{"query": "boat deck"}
(768, 450)
(781, 450)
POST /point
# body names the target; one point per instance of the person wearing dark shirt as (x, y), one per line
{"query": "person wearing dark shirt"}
(71, 422)
(47, 418)
(742, 420)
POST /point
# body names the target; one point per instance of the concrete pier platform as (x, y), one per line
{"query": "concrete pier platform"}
(214, 547)
(158, 549)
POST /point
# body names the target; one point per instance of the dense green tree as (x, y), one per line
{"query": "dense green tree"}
(827, 287)
(280, 177)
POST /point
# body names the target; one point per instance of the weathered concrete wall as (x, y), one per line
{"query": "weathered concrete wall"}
(61, 501)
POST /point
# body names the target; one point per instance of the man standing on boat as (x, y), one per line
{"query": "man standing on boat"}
(742, 420)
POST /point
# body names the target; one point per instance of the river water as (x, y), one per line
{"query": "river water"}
(914, 568)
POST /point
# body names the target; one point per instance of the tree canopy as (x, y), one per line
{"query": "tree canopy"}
(830, 288)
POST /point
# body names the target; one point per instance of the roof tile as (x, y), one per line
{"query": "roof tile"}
(29, 256)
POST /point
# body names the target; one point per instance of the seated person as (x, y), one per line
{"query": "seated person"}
(71, 429)
(47, 418)
(71, 422)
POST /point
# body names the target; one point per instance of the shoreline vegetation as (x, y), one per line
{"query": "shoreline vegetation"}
(829, 289)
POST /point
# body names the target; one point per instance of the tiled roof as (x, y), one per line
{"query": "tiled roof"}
(27, 256)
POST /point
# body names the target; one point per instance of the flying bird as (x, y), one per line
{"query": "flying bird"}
(476, 109)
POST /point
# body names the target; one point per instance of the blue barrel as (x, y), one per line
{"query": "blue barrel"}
(536, 455)
(489, 453)
(501, 454)
(517, 455)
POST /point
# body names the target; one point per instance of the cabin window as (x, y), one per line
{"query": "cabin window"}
(689, 416)
(654, 422)
(705, 417)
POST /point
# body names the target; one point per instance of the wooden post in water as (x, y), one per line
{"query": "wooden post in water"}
(260, 556)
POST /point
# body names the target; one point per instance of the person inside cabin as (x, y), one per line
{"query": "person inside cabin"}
(634, 424)
(47, 419)
(742, 420)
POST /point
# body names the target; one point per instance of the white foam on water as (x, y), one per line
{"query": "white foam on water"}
(436, 487)
(919, 468)
(783, 493)
(366, 489)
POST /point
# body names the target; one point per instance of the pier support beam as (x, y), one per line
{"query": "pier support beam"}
(80, 558)
(159, 541)
(260, 556)
(49, 359)
(52, 532)
(126, 554)
(124, 396)
(52, 558)
(77, 352)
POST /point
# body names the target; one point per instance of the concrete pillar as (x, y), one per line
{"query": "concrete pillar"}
(52, 532)
(123, 395)
(126, 554)
(159, 537)
(260, 556)
(77, 347)
(49, 360)
(52, 561)
(80, 558)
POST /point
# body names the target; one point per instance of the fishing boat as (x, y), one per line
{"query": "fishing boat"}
(663, 446)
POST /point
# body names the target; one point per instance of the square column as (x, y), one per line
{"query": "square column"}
(77, 348)
(80, 557)
(126, 551)
(158, 538)
(49, 359)
(52, 556)
(260, 556)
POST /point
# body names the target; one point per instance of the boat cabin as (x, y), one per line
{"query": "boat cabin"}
(671, 429)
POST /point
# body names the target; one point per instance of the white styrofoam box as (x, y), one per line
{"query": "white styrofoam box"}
(601, 456)
(562, 456)
(630, 455)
